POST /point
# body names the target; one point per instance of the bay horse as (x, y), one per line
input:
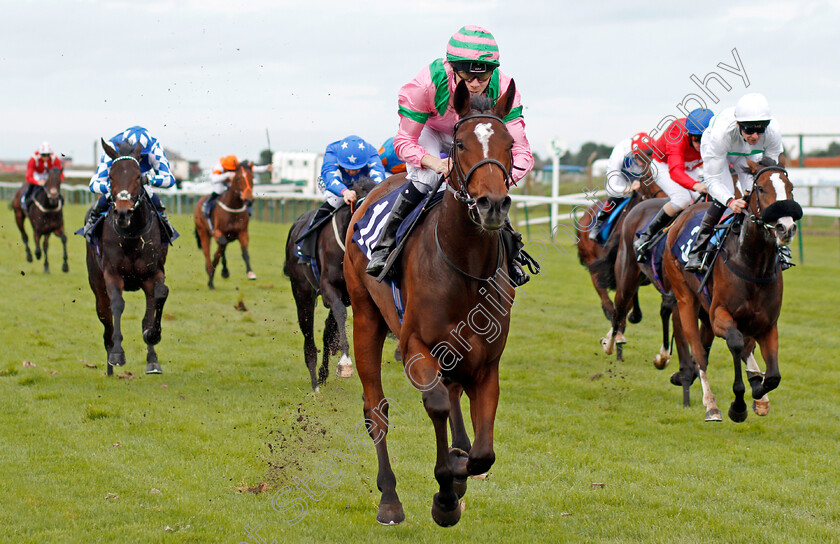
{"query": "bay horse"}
(46, 216)
(330, 285)
(457, 298)
(601, 264)
(229, 220)
(590, 250)
(743, 297)
(131, 257)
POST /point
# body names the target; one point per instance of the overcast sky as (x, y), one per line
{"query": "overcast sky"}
(208, 77)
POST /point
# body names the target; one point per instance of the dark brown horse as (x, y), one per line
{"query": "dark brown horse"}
(330, 285)
(744, 288)
(46, 215)
(600, 261)
(131, 257)
(229, 220)
(457, 299)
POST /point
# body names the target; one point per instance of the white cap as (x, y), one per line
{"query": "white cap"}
(45, 149)
(752, 107)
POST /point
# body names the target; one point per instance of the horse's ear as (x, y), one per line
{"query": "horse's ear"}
(136, 151)
(783, 160)
(754, 166)
(462, 99)
(505, 102)
(110, 151)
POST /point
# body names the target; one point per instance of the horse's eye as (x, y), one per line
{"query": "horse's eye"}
(460, 144)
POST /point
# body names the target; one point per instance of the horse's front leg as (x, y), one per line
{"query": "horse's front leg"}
(36, 238)
(724, 326)
(769, 344)
(114, 286)
(666, 309)
(243, 243)
(64, 267)
(46, 248)
(461, 445)
(422, 370)
(333, 300)
(20, 219)
(156, 294)
(761, 405)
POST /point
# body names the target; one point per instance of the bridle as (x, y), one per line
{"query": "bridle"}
(462, 193)
(124, 195)
(240, 171)
(755, 216)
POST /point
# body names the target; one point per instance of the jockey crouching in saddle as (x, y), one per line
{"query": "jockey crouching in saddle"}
(676, 171)
(37, 172)
(747, 130)
(152, 159)
(624, 171)
(220, 177)
(346, 161)
(427, 121)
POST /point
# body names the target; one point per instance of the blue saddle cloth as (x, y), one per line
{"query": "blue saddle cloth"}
(606, 229)
(685, 241)
(366, 231)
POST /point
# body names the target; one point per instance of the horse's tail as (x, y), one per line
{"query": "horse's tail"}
(197, 237)
(603, 269)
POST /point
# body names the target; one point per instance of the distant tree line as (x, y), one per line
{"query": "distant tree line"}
(833, 150)
(576, 159)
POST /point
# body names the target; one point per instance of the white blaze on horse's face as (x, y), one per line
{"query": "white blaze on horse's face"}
(483, 131)
(779, 186)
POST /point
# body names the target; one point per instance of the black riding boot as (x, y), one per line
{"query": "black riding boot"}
(659, 222)
(307, 243)
(100, 208)
(161, 210)
(406, 201)
(697, 256)
(602, 216)
(27, 194)
(512, 241)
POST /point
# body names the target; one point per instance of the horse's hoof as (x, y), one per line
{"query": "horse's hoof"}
(761, 407)
(460, 486)
(390, 513)
(116, 359)
(38, 255)
(606, 345)
(445, 518)
(151, 336)
(65, 268)
(225, 273)
(29, 257)
(153, 368)
(46, 270)
(661, 360)
(675, 379)
(619, 338)
(713, 415)
(738, 416)
(211, 286)
(252, 276)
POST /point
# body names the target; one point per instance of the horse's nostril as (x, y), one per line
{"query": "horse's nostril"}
(483, 203)
(505, 204)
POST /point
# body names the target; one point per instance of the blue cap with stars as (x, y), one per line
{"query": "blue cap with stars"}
(352, 153)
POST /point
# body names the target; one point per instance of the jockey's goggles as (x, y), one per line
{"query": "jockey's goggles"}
(756, 127)
(481, 76)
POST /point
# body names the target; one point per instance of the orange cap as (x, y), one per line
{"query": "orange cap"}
(230, 162)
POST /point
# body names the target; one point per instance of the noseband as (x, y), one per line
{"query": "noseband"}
(125, 195)
(462, 194)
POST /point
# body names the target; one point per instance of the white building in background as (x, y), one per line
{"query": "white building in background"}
(298, 170)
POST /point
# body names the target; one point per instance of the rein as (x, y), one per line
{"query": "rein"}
(455, 267)
(462, 194)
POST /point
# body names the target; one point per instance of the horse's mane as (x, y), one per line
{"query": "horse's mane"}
(125, 148)
(363, 186)
(246, 163)
(481, 103)
(767, 161)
